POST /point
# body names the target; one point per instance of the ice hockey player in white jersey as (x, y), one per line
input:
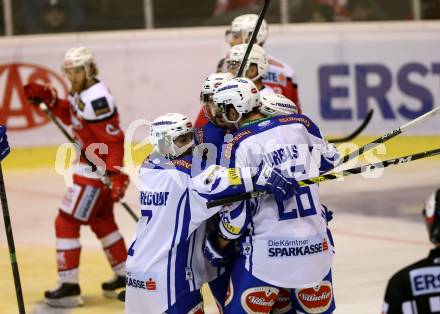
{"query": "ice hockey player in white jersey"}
(292, 235)
(165, 265)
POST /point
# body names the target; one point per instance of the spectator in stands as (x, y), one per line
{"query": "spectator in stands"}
(364, 10)
(49, 16)
(225, 6)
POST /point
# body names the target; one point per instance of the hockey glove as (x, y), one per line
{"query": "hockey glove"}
(273, 181)
(119, 183)
(4, 145)
(38, 93)
(216, 257)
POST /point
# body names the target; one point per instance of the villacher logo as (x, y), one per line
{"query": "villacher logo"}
(15, 112)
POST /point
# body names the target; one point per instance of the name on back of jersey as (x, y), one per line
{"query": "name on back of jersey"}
(425, 280)
(154, 198)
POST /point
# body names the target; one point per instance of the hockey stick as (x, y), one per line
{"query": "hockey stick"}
(105, 178)
(11, 245)
(253, 37)
(387, 136)
(331, 176)
(357, 131)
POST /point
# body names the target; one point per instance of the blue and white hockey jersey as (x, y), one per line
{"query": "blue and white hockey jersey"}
(287, 244)
(165, 260)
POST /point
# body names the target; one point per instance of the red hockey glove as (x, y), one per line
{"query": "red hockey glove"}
(119, 183)
(37, 93)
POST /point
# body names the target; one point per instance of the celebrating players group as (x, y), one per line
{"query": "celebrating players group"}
(269, 254)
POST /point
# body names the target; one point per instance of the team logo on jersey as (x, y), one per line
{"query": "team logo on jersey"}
(259, 299)
(283, 303)
(15, 112)
(317, 299)
(112, 130)
(100, 106)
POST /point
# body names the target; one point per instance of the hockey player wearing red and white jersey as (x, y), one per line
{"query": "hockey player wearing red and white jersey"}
(91, 112)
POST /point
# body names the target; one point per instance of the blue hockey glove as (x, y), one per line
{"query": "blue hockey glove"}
(328, 213)
(4, 145)
(213, 255)
(272, 180)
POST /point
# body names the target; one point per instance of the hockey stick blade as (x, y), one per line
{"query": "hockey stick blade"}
(105, 178)
(387, 136)
(331, 176)
(253, 37)
(357, 131)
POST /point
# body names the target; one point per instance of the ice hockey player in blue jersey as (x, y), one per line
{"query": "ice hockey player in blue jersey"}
(290, 234)
(166, 267)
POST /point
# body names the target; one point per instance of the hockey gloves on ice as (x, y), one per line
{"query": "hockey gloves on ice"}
(38, 93)
(274, 181)
(119, 183)
(216, 257)
(4, 145)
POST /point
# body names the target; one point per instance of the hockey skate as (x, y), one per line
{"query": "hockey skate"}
(65, 295)
(111, 288)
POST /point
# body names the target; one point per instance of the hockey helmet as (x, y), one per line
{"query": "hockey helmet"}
(276, 105)
(165, 129)
(80, 57)
(208, 87)
(431, 212)
(238, 93)
(244, 25)
(257, 56)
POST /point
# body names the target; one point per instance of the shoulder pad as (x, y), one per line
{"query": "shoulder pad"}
(96, 103)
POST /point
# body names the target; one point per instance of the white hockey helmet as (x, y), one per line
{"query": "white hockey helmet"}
(256, 56)
(208, 87)
(277, 105)
(240, 93)
(244, 25)
(80, 57)
(165, 129)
